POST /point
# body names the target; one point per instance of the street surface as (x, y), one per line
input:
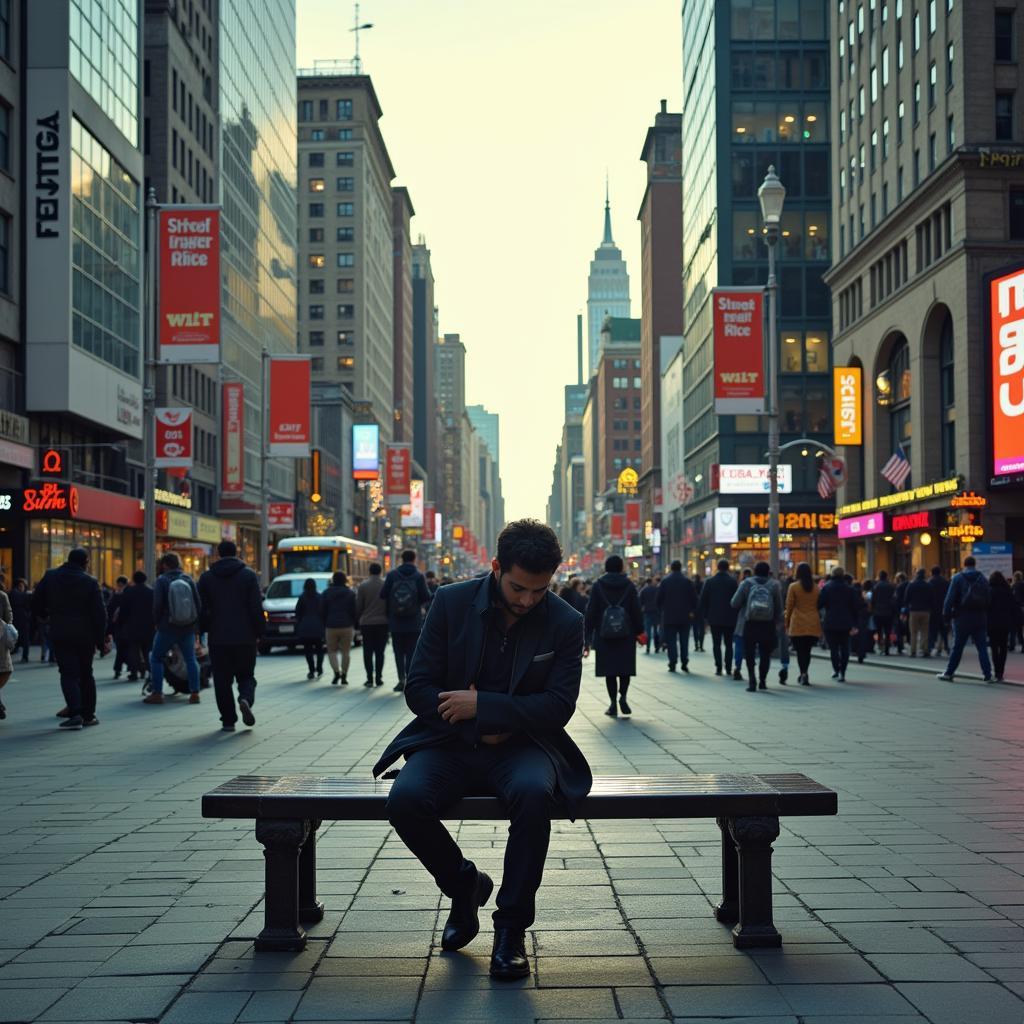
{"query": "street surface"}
(120, 903)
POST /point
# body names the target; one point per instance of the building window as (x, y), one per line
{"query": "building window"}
(346, 184)
(933, 77)
(5, 254)
(316, 364)
(345, 235)
(949, 66)
(346, 338)
(305, 106)
(316, 286)
(317, 260)
(346, 285)
(5, 137)
(899, 185)
(874, 149)
(950, 134)
(316, 339)
(317, 135)
(1004, 35)
(885, 66)
(344, 110)
(1004, 116)
(917, 167)
(316, 312)
(917, 32)
(874, 85)
(1017, 214)
(900, 111)
(316, 209)
(947, 392)
(316, 234)
(931, 16)
(346, 259)
(316, 185)
(346, 362)
(344, 134)
(885, 139)
(917, 102)
(345, 209)
(344, 158)
(346, 312)
(931, 152)
(316, 159)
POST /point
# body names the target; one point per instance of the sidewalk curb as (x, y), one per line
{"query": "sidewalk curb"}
(900, 663)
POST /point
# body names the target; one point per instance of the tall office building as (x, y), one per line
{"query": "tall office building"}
(607, 288)
(424, 336)
(346, 250)
(487, 425)
(402, 354)
(928, 204)
(755, 94)
(450, 395)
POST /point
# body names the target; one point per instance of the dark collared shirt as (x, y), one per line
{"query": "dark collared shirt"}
(498, 654)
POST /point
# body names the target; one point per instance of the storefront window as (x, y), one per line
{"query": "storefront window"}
(816, 352)
(747, 242)
(111, 548)
(817, 409)
(791, 353)
(791, 408)
(899, 416)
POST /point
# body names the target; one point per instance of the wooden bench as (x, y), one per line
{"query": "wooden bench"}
(288, 810)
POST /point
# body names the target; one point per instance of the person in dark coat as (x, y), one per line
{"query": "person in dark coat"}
(1004, 618)
(838, 601)
(572, 594)
(900, 624)
(677, 601)
(232, 618)
(338, 606)
(1017, 589)
(966, 606)
(615, 659)
(760, 635)
(917, 607)
(21, 608)
(69, 599)
(716, 609)
(309, 628)
(405, 593)
(938, 627)
(135, 615)
(861, 641)
(114, 625)
(493, 683)
(652, 617)
(698, 617)
(883, 609)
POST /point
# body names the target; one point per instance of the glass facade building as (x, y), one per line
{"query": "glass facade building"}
(756, 94)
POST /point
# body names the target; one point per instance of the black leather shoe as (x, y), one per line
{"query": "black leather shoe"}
(463, 922)
(508, 960)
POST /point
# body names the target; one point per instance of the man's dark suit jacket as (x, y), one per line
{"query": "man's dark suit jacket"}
(544, 688)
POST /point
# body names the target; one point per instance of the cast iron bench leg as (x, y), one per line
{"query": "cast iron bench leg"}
(311, 910)
(282, 840)
(728, 911)
(754, 837)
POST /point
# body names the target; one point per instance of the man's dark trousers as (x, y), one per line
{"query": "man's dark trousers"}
(676, 639)
(375, 641)
(230, 662)
(517, 771)
(721, 638)
(883, 626)
(403, 645)
(77, 683)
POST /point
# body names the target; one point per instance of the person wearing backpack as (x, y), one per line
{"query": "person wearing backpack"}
(372, 614)
(760, 598)
(677, 602)
(966, 605)
(405, 593)
(176, 608)
(1004, 617)
(611, 625)
(884, 607)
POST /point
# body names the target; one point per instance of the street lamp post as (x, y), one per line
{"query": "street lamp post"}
(772, 195)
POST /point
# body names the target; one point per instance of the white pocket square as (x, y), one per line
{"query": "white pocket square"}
(545, 657)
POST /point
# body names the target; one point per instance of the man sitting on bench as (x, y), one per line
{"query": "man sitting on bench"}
(493, 682)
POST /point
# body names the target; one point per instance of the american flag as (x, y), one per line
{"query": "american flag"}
(897, 469)
(826, 482)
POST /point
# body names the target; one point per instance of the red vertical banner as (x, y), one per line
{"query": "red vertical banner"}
(232, 464)
(618, 526)
(288, 420)
(428, 523)
(738, 320)
(188, 240)
(173, 443)
(397, 474)
(632, 518)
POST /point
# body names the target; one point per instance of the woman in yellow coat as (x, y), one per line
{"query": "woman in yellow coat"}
(803, 625)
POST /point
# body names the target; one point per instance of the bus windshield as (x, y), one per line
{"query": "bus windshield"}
(306, 561)
(293, 587)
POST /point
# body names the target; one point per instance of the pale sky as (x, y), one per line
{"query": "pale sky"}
(501, 119)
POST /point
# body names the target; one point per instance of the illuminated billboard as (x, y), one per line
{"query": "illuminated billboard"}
(365, 451)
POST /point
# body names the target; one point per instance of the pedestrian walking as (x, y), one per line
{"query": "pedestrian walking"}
(1004, 619)
(613, 621)
(677, 600)
(843, 610)
(338, 607)
(760, 598)
(802, 621)
(938, 625)
(782, 637)
(232, 618)
(859, 642)
(572, 594)
(698, 617)
(6, 652)
(901, 626)
(716, 609)
(883, 610)
(135, 617)
(495, 678)
(737, 633)
(966, 606)
(372, 614)
(652, 617)
(1018, 593)
(176, 610)
(21, 609)
(917, 607)
(405, 593)
(68, 599)
(309, 628)
(114, 624)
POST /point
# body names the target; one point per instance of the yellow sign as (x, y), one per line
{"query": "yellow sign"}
(628, 479)
(794, 521)
(846, 388)
(968, 500)
(922, 493)
(179, 525)
(968, 532)
(208, 529)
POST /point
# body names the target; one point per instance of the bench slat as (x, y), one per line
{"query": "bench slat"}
(327, 797)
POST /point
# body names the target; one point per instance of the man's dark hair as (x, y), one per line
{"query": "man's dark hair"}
(723, 565)
(883, 575)
(530, 544)
(429, 574)
(408, 555)
(936, 570)
(122, 580)
(969, 562)
(79, 557)
(170, 561)
(139, 577)
(762, 569)
(227, 549)
(613, 563)
(676, 566)
(375, 569)
(339, 579)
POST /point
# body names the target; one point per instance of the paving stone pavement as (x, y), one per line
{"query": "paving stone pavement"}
(118, 902)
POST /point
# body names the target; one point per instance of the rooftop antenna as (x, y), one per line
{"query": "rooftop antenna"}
(357, 28)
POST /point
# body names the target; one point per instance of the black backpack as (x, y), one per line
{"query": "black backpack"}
(977, 597)
(614, 621)
(405, 598)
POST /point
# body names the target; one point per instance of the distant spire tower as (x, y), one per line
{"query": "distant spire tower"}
(607, 286)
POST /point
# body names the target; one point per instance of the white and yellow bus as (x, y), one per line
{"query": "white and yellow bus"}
(327, 554)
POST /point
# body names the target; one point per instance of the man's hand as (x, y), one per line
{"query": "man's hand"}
(586, 652)
(457, 705)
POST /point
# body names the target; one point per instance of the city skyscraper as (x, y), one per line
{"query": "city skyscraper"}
(607, 288)
(424, 336)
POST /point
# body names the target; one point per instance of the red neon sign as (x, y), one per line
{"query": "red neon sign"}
(911, 521)
(50, 498)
